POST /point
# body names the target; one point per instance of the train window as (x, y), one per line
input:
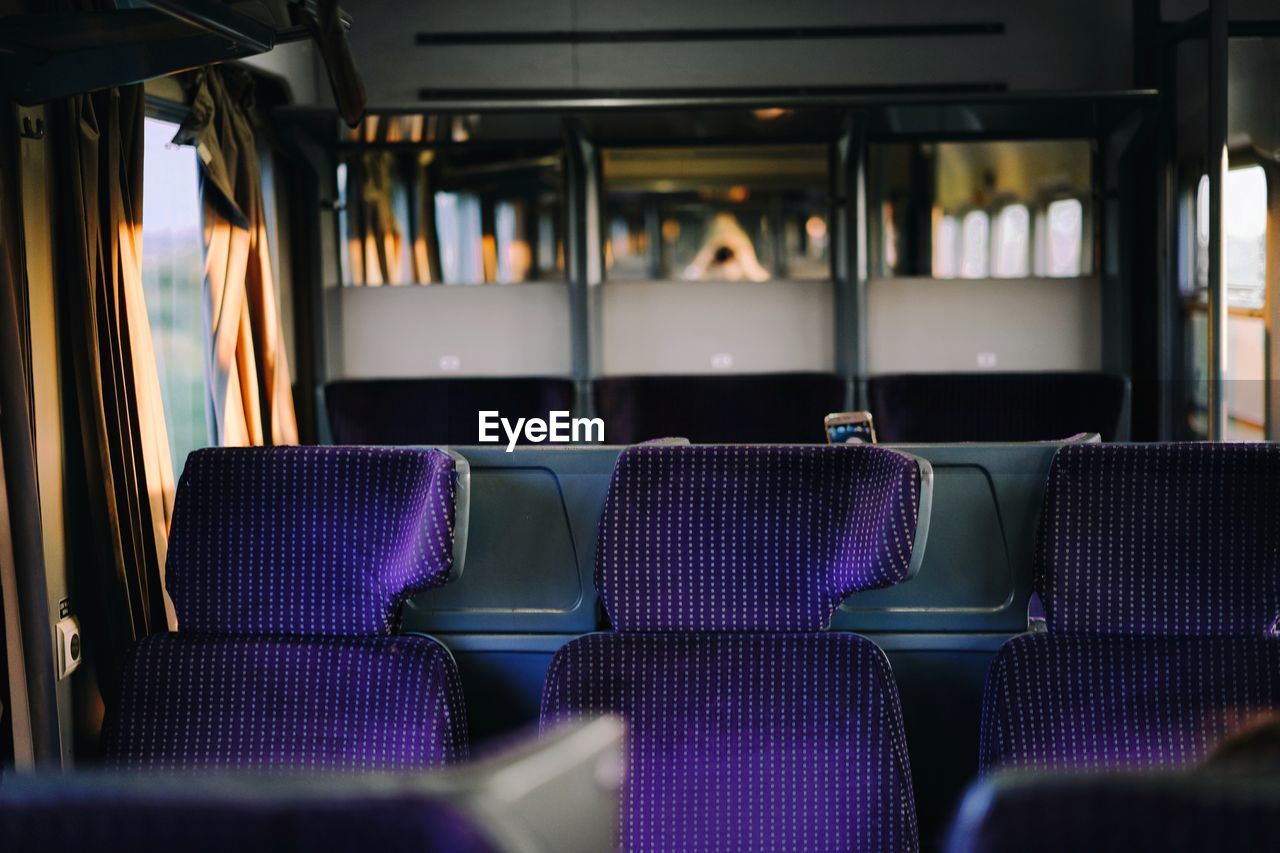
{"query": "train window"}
(172, 264)
(1245, 225)
(1064, 237)
(458, 217)
(1245, 222)
(727, 213)
(1004, 209)
(946, 242)
(1011, 242)
(461, 236)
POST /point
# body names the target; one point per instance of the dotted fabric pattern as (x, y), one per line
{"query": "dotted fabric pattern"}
(276, 703)
(1158, 570)
(740, 742)
(751, 537)
(1119, 813)
(308, 540)
(1164, 539)
(1122, 702)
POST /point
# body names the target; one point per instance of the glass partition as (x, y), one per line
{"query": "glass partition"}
(716, 213)
(450, 217)
(1002, 209)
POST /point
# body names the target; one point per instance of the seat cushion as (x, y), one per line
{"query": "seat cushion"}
(1055, 702)
(752, 538)
(286, 703)
(747, 741)
(308, 540)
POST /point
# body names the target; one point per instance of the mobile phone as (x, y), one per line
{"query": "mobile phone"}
(849, 428)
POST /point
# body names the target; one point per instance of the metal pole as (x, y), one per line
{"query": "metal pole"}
(582, 255)
(1217, 168)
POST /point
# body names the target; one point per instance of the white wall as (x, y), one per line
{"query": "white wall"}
(716, 327)
(915, 325)
(439, 330)
(927, 325)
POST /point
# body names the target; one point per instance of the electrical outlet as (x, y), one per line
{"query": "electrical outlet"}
(70, 648)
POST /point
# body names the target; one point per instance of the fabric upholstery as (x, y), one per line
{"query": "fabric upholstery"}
(748, 727)
(279, 703)
(747, 741)
(203, 815)
(1165, 539)
(751, 538)
(1055, 702)
(435, 411)
(947, 407)
(308, 540)
(781, 408)
(288, 567)
(1157, 568)
(1119, 813)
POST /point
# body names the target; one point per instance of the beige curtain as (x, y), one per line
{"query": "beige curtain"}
(120, 415)
(246, 369)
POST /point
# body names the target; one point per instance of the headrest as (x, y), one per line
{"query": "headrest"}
(754, 537)
(1170, 539)
(308, 540)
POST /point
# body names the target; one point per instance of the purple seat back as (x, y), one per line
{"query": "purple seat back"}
(752, 538)
(724, 408)
(279, 703)
(990, 406)
(1158, 568)
(308, 540)
(1163, 539)
(748, 726)
(1067, 701)
(288, 568)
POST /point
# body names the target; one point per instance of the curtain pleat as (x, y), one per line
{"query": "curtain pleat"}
(119, 411)
(28, 691)
(246, 369)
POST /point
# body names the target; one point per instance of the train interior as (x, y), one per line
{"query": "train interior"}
(508, 426)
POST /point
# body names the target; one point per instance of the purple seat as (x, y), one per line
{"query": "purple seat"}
(287, 568)
(724, 409)
(749, 726)
(1159, 570)
(1118, 813)
(1031, 406)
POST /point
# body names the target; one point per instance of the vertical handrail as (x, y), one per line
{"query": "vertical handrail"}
(583, 261)
(851, 267)
(1219, 20)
